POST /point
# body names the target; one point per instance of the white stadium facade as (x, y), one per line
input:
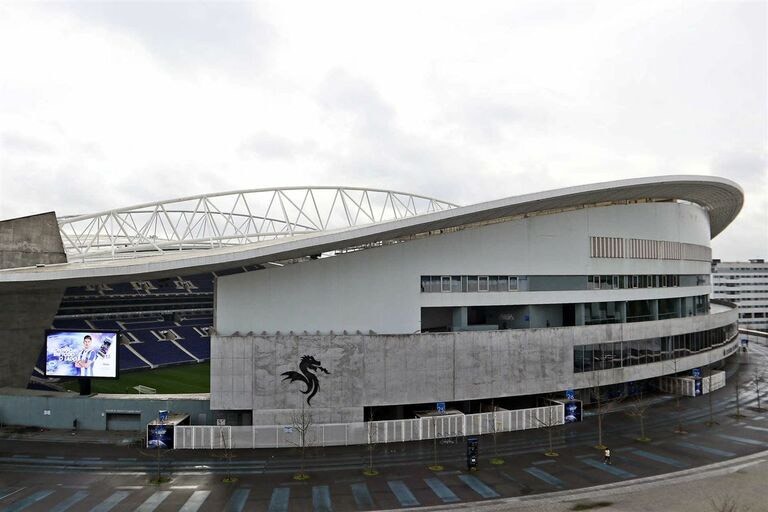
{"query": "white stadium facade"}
(360, 305)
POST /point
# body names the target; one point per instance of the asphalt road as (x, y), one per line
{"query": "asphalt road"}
(62, 476)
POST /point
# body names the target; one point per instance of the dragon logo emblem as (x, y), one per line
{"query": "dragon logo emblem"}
(308, 366)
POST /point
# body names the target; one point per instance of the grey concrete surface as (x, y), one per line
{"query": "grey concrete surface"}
(24, 315)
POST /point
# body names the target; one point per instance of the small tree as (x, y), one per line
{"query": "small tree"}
(638, 409)
(302, 423)
(227, 454)
(436, 466)
(549, 422)
(737, 391)
(711, 421)
(758, 378)
(493, 428)
(372, 437)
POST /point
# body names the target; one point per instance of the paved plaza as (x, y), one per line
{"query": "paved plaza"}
(97, 471)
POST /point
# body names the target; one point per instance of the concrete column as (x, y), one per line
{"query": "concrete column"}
(655, 309)
(26, 313)
(460, 318)
(579, 313)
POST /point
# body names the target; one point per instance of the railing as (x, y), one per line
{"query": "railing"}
(372, 432)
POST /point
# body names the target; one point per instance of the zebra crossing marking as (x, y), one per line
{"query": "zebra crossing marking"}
(362, 495)
(546, 477)
(707, 449)
(403, 493)
(109, 503)
(608, 468)
(279, 500)
(752, 427)
(478, 486)
(29, 500)
(153, 501)
(321, 498)
(75, 498)
(660, 458)
(441, 490)
(237, 502)
(195, 501)
(742, 440)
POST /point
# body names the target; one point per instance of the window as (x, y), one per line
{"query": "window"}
(635, 281)
(512, 283)
(615, 282)
(482, 283)
(445, 284)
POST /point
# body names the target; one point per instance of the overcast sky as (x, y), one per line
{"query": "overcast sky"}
(105, 105)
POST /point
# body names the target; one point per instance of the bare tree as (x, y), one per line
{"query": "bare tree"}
(599, 445)
(638, 409)
(373, 428)
(727, 503)
(493, 428)
(436, 466)
(227, 454)
(711, 422)
(549, 422)
(758, 378)
(737, 391)
(302, 423)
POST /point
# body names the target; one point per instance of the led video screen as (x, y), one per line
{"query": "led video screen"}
(81, 354)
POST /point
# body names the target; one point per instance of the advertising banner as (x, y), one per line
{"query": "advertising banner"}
(81, 354)
(159, 436)
(572, 411)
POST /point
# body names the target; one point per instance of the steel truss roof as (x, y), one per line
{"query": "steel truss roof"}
(233, 218)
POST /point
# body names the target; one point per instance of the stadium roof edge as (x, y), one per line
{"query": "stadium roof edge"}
(720, 197)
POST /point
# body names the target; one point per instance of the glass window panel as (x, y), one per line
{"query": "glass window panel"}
(482, 283)
(472, 283)
(456, 283)
(512, 283)
(445, 283)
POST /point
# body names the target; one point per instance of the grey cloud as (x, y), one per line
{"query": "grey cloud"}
(19, 143)
(343, 93)
(225, 35)
(269, 146)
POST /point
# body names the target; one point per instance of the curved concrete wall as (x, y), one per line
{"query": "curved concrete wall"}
(379, 289)
(246, 371)
(24, 315)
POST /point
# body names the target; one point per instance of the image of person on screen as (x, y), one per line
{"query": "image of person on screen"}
(86, 358)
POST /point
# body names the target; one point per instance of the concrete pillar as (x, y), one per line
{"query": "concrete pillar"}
(579, 313)
(460, 318)
(654, 309)
(26, 313)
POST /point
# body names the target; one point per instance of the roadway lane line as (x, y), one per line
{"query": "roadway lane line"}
(752, 427)
(441, 490)
(64, 505)
(8, 492)
(362, 496)
(478, 486)
(237, 502)
(153, 501)
(109, 504)
(195, 501)
(546, 477)
(609, 468)
(707, 449)
(279, 500)
(660, 458)
(29, 500)
(403, 493)
(742, 440)
(321, 498)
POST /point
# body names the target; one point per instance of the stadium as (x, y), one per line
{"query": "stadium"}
(365, 308)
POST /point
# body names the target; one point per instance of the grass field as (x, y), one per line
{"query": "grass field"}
(188, 378)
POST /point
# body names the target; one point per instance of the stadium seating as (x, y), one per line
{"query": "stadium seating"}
(129, 361)
(162, 353)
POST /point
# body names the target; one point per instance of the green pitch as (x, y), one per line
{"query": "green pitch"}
(188, 378)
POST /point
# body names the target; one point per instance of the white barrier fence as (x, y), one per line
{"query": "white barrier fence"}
(686, 386)
(372, 432)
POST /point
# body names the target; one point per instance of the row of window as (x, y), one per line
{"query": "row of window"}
(605, 356)
(758, 314)
(457, 284)
(497, 283)
(635, 248)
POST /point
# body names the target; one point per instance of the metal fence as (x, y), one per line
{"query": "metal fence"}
(372, 432)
